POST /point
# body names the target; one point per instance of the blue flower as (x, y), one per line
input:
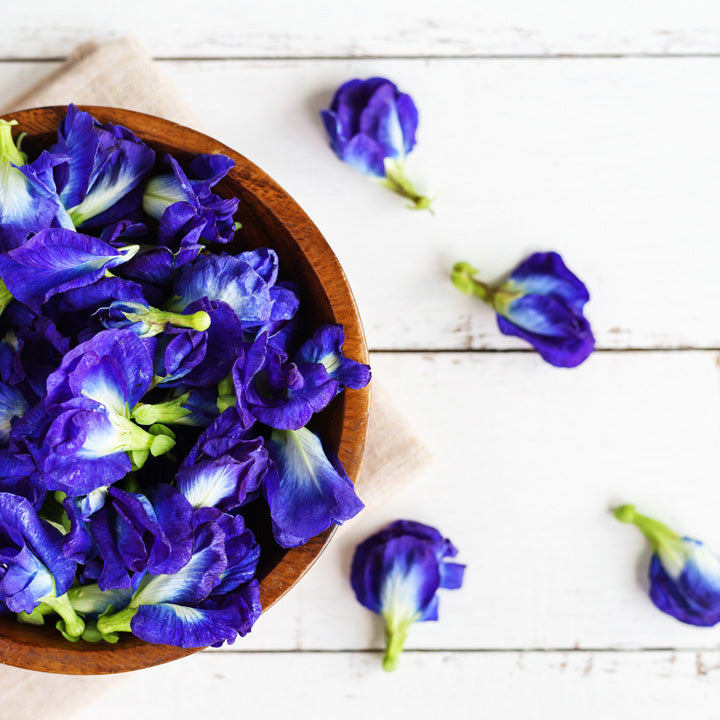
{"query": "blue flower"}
(238, 281)
(684, 573)
(225, 467)
(173, 199)
(209, 601)
(325, 348)
(542, 302)
(33, 569)
(106, 165)
(397, 573)
(279, 393)
(89, 401)
(371, 126)
(140, 533)
(306, 488)
(28, 198)
(56, 260)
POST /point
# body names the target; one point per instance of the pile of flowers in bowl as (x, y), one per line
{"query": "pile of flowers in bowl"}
(153, 388)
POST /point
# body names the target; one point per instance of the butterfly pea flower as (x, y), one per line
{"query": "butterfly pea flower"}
(306, 487)
(183, 608)
(56, 260)
(242, 282)
(106, 165)
(33, 569)
(280, 393)
(541, 302)
(371, 126)
(89, 400)
(138, 532)
(325, 348)
(684, 573)
(397, 573)
(28, 198)
(171, 198)
(226, 466)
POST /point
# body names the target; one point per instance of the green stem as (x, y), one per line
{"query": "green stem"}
(74, 625)
(396, 180)
(119, 622)
(394, 641)
(658, 534)
(463, 279)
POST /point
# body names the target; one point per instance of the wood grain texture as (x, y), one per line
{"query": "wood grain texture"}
(562, 685)
(270, 218)
(322, 28)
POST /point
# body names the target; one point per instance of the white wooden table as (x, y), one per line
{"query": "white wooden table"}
(590, 129)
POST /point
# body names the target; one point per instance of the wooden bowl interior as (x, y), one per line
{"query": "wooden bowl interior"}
(270, 218)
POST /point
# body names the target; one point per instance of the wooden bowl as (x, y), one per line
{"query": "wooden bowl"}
(270, 218)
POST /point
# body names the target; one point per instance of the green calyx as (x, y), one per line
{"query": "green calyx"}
(666, 543)
(396, 181)
(119, 622)
(9, 151)
(170, 411)
(156, 320)
(659, 535)
(73, 626)
(463, 278)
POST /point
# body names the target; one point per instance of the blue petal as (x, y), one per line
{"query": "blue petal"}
(210, 622)
(307, 493)
(56, 260)
(379, 120)
(365, 155)
(128, 353)
(562, 337)
(349, 101)
(106, 164)
(694, 596)
(211, 167)
(227, 279)
(194, 581)
(325, 347)
(397, 578)
(547, 274)
(80, 453)
(31, 550)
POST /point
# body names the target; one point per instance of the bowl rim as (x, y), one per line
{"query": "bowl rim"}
(31, 647)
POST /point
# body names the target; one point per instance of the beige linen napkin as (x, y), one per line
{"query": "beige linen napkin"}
(122, 74)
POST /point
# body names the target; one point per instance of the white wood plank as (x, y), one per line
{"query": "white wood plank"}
(611, 162)
(181, 28)
(660, 685)
(527, 463)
